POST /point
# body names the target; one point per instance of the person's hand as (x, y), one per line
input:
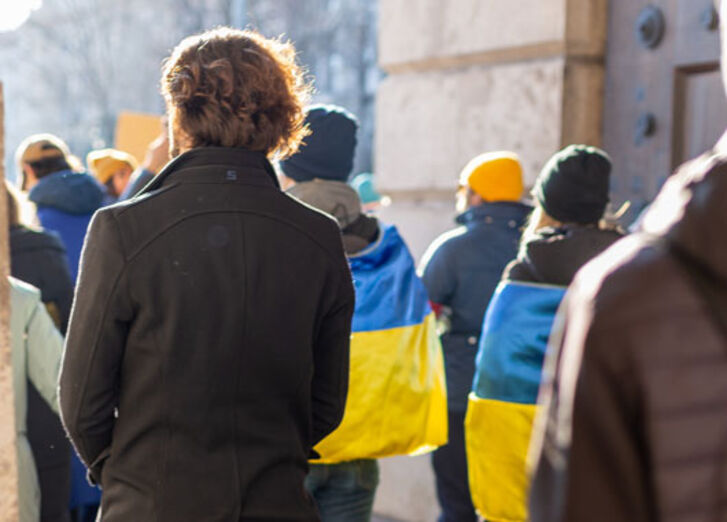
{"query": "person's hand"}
(157, 155)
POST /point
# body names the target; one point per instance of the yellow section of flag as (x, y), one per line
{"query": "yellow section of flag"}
(497, 436)
(397, 396)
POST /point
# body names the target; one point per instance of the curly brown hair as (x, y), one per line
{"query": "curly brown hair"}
(233, 88)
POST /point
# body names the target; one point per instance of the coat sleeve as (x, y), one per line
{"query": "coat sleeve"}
(587, 447)
(331, 357)
(95, 344)
(44, 349)
(439, 274)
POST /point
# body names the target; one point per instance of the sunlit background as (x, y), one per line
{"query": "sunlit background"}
(70, 67)
(13, 13)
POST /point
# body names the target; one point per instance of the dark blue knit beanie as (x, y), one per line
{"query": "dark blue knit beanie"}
(573, 186)
(328, 152)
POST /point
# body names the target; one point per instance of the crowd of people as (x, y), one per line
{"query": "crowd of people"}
(247, 338)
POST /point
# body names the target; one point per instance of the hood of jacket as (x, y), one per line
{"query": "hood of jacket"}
(389, 294)
(691, 213)
(360, 234)
(490, 212)
(555, 255)
(71, 192)
(24, 239)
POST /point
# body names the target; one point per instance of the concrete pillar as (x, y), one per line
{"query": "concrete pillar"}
(8, 463)
(466, 77)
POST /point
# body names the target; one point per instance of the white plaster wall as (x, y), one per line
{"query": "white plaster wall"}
(416, 501)
(420, 30)
(420, 221)
(429, 125)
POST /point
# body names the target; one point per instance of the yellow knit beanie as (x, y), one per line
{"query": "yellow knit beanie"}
(494, 176)
(104, 163)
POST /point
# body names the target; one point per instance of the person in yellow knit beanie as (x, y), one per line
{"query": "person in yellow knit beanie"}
(461, 270)
(112, 168)
(489, 178)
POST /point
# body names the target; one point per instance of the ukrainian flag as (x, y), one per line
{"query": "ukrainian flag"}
(397, 399)
(505, 390)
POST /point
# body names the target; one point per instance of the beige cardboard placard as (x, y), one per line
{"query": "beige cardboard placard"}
(135, 131)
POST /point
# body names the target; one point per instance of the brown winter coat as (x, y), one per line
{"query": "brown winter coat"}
(207, 350)
(637, 413)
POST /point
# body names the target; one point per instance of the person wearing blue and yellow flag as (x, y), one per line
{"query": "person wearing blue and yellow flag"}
(461, 270)
(565, 232)
(396, 401)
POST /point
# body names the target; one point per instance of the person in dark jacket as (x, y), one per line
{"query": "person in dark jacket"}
(461, 270)
(634, 424)
(65, 198)
(393, 339)
(39, 258)
(207, 351)
(566, 229)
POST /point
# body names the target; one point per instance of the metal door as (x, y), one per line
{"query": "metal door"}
(664, 99)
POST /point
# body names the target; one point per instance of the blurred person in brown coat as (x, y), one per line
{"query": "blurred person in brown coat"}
(635, 402)
(208, 346)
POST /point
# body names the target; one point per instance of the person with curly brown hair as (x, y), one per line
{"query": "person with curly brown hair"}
(183, 389)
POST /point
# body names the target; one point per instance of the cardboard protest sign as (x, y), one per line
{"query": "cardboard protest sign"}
(135, 131)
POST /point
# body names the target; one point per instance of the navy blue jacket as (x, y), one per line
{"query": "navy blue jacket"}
(66, 200)
(461, 270)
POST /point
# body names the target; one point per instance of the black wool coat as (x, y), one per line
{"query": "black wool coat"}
(39, 258)
(208, 346)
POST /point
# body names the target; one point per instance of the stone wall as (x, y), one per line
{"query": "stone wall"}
(8, 464)
(466, 77)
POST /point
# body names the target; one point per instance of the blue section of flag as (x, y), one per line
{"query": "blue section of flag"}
(513, 342)
(389, 294)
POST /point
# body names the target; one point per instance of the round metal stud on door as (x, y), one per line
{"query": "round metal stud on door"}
(650, 27)
(710, 19)
(645, 128)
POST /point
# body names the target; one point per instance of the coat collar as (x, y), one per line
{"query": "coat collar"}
(501, 211)
(217, 165)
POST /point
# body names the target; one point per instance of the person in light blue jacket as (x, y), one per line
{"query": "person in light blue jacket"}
(36, 349)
